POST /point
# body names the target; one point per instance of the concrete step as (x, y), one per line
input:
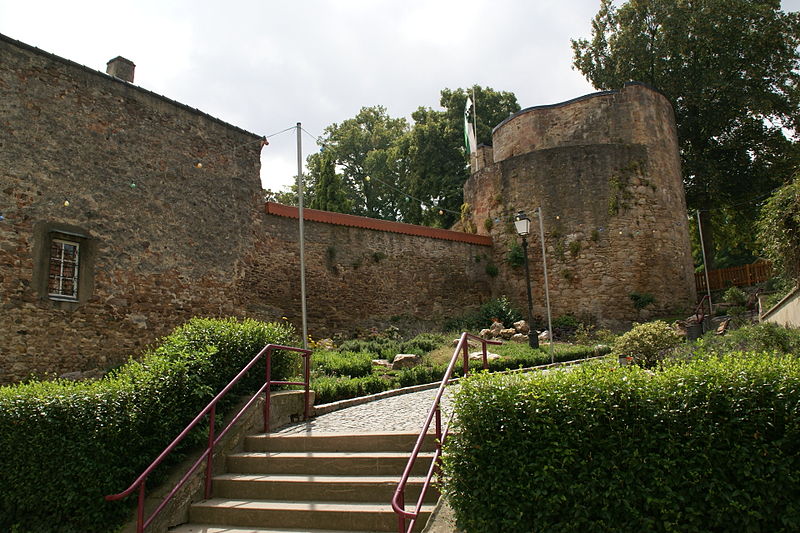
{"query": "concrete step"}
(326, 463)
(310, 515)
(337, 442)
(315, 487)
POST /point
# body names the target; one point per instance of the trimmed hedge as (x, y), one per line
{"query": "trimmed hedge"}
(329, 389)
(64, 445)
(713, 445)
(335, 363)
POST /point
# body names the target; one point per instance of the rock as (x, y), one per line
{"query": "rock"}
(496, 328)
(381, 362)
(405, 360)
(544, 336)
(522, 327)
(508, 333)
(478, 356)
(519, 337)
(326, 344)
(485, 333)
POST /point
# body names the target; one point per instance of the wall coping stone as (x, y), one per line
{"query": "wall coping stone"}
(353, 221)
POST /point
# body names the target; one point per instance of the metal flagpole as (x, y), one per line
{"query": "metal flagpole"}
(475, 126)
(705, 264)
(302, 235)
(546, 284)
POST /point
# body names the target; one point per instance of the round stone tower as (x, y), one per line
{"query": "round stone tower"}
(605, 170)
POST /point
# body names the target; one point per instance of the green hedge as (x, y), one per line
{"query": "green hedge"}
(332, 388)
(64, 445)
(713, 445)
(337, 363)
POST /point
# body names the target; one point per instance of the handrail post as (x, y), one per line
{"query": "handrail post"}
(485, 356)
(466, 356)
(438, 435)
(401, 520)
(212, 415)
(307, 375)
(267, 391)
(140, 510)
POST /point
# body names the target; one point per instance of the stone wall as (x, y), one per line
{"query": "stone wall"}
(605, 169)
(165, 202)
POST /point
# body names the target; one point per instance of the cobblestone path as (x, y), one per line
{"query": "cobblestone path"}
(404, 412)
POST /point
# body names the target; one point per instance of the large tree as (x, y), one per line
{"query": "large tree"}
(730, 69)
(414, 173)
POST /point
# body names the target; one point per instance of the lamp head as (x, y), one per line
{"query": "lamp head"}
(522, 224)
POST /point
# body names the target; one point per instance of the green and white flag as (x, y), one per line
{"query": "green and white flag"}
(469, 130)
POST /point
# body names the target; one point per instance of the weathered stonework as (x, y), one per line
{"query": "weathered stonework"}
(167, 204)
(606, 171)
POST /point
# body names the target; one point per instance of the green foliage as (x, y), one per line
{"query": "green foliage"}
(764, 337)
(516, 255)
(492, 270)
(329, 389)
(647, 343)
(342, 363)
(706, 446)
(779, 229)
(641, 299)
(64, 445)
(735, 296)
(500, 308)
(729, 68)
(329, 192)
(416, 172)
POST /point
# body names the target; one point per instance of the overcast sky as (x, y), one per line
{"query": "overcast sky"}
(266, 65)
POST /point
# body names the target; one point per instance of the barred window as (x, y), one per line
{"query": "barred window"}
(63, 273)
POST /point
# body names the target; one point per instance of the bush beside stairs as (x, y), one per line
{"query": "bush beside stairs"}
(314, 483)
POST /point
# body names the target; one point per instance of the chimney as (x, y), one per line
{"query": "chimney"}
(121, 68)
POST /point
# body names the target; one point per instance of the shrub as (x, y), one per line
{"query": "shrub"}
(329, 389)
(641, 300)
(762, 337)
(342, 363)
(64, 445)
(735, 296)
(647, 343)
(516, 255)
(706, 446)
(500, 308)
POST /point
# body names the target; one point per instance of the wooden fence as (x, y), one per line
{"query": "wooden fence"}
(740, 276)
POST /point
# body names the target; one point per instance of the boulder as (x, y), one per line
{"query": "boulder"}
(405, 360)
(544, 336)
(522, 327)
(507, 333)
(519, 337)
(478, 356)
(382, 363)
(496, 328)
(485, 333)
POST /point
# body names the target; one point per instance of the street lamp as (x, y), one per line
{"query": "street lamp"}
(523, 225)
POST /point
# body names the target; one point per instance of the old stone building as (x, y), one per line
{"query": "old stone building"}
(605, 170)
(124, 213)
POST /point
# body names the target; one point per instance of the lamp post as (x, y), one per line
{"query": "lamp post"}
(523, 226)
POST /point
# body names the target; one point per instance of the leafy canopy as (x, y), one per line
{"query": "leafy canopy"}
(730, 69)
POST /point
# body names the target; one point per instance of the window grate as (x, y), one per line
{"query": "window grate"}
(63, 276)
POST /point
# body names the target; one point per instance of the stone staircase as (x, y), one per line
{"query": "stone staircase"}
(314, 483)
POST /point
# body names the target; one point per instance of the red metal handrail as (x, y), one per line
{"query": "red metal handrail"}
(398, 500)
(210, 409)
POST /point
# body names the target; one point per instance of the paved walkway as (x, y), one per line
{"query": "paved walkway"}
(404, 412)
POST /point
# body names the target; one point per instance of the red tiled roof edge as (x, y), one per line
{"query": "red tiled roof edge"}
(353, 221)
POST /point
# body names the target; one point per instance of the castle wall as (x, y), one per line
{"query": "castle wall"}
(605, 169)
(88, 158)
